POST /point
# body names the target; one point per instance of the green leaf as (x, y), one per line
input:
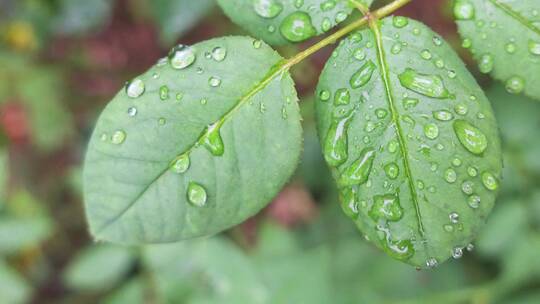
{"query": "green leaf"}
(504, 37)
(4, 174)
(176, 17)
(98, 268)
(131, 292)
(13, 288)
(411, 140)
(208, 143)
(287, 21)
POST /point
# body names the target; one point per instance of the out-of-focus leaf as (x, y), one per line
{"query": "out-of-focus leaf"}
(503, 228)
(525, 298)
(204, 271)
(13, 288)
(81, 16)
(176, 17)
(521, 263)
(504, 37)
(192, 153)
(17, 234)
(99, 267)
(411, 140)
(286, 21)
(4, 171)
(132, 292)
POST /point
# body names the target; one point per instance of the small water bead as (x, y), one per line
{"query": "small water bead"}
(214, 82)
(162, 121)
(457, 252)
(456, 162)
(349, 202)
(164, 92)
(359, 54)
(470, 137)
(431, 131)
(267, 8)
(426, 54)
(104, 137)
(448, 228)
(454, 217)
(181, 56)
(396, 48)
(363, 75)
(179, 96)
(400, 21)
(342, 97)
(257, 44)
(461, 109)
(432, 263)
(212, 140)
(118, 137)
(393, 146)
(324, 95)
(472, 171)
(450, 175)
(534, 47)
(486, 63)
(451, 74)
(219, 53)
(135, 88)
(490, 181)
(510, 48)
(391, 170)
(297, 27)
(271, 28)
(467, 187)
(181, 164)
(199, 70)
(328, 5)
(466, 43)
(470, 247)
(298, 3)
(515, 85)
(155, 76)
(437, 41)
(358, 172)
(428, 85)
(386, 207)
(132, 112)
(443, 115)
(370, 126)
(416, 31)
(381, 113)
(340, 17)
(162, 62)
(474, 201)
(463, 10)
(196, 195)
(203, 101)
(326, 24)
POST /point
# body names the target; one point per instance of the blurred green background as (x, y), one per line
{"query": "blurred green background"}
(60, 63)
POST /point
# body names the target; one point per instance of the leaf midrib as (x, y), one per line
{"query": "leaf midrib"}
(373, 25)
(278, 69)
(515, 15)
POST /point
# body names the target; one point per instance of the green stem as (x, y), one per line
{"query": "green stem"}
(380, 13)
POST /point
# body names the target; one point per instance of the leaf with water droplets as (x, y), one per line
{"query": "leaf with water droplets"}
(415, 151)
(285, 21)
(504, 37)
(176, 156)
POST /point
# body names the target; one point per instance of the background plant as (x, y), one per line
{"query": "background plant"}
(267, 257)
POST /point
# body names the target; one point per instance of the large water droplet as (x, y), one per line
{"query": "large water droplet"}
(363, 75)
(267, 8)
(470, 137)
(358, 172)
(336, 143)
(196, 195)
(213, 141)
(349, 202)
(181, 56)
(135, 88)
(297, 27)
(342, 97)
(463, 10)
(490, 181)
(428, 85)
(386, 207)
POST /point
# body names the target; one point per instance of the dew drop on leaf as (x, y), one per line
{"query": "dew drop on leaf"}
(450, 175)
(443, 115)
(118, 137)
(489, 181)
(431, 131)
(474, 201)
(342, 97)
(363, 75)
(214, 81)
(391, 170)
(515, 85)
(181, 164)
(349, 202)
(132, 111)
(467, 187)
(457, 252)
(426, 54)
(358, 172)
(432, 263)
(297, 27)
(135, 88)
(267, 8)
(463, 10)
(196, 195)
(470, 137)
(510, 48)
(428, 85)
(328, 5)
(386, 207)
(454, 217)
(181, 56)
(212, 140)
(219, 53)
(400, 21)
(534, 47)
(164, 92)
(324, 95)
(335, 144)
(409, 102)
(485, 64)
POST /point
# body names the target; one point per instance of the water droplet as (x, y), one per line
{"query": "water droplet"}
(457, 252)
(463, 10)
(324, 95)
(474, 201)
(400, 21)
(490, 181)
(349, 202)
(162, 121)
(181, 56)
(342, 97)
(181, 164)
(358, 172)
(432, 263)
(104, 137)
(396, 48)
(196, 195)
(219, 53)
(340, 17)
(212, 140)
(470, 247)
(298, 3)
(454, 217)
(267, 8)
(132, 111)
(467, 187)
(437, 40)
(534, 47)
(510, 47)
(515, 85)
(214, 81)
(359, 54)
(326, 24)
(450, 175)
(486, 63)
(392, 170)
(297, 27)
(393, 146)
(336, 143)
(443, 115)
(118, 137)
(135, 88)
(179, 96)
(386, 207)
(461, 109)
(472, 171)
(428, 85)
(257, 44)
(448, 228)
(164, 92)
(363, 75)
(431, 131)
(328, 5)
(381, 113)
(466, 43)
(456, 162)
(470, 137)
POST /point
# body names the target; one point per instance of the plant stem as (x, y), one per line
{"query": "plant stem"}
(382, 12)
